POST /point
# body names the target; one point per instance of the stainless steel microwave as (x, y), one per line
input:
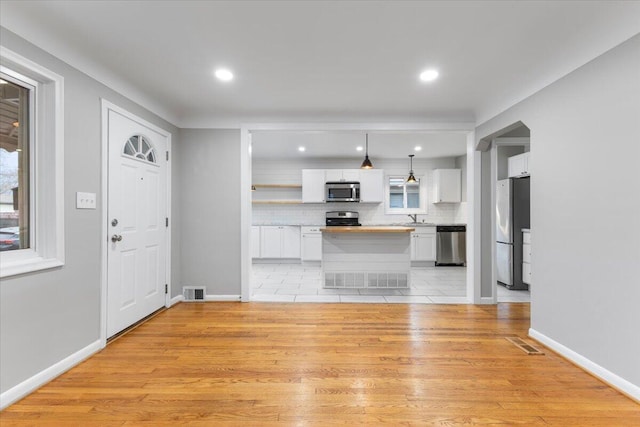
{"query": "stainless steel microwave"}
(342, 191)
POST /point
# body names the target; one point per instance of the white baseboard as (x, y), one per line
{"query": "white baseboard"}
(41, 378)
(176, 300)
(180, 298)
(222, 298)
(631, 390)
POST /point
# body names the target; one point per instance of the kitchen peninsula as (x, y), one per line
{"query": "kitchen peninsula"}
(366, 257)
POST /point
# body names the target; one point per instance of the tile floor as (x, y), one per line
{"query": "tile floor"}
(302, 283)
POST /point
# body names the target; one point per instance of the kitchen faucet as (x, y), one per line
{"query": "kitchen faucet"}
(414, 218)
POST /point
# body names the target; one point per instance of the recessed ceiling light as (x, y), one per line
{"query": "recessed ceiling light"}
(359, 148)
(224, 74)
(429, 75)
(301, 149)
(417, 148)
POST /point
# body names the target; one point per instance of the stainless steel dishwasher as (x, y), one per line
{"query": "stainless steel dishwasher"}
(451, 245)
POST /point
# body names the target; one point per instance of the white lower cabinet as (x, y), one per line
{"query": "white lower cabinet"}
(255, 241)
(311, 244)
(526, 257)
(291, 242)
(279, 241)
(423, 244)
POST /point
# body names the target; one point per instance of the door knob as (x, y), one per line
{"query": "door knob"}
(116, 238)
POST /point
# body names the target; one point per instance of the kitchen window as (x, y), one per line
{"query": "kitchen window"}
(31, 166)
(404, 197)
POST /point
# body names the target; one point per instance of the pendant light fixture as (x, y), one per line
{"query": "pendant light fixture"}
(411, 179)
(366, 164)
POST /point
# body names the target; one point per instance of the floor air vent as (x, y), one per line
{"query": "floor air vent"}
(388, 280)
(522, 345)
(345, 280)
(193, 293)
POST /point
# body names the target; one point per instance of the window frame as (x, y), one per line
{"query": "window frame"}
(47, 167)
(31, 85)
(405, 211)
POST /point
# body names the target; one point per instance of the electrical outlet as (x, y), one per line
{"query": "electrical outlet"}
(85, 200)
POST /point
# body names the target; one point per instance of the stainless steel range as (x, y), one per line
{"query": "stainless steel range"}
(342, 218)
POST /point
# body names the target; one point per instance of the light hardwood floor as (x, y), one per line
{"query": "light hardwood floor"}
(252, 364)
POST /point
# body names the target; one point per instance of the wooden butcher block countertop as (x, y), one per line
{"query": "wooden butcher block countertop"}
(364, 229)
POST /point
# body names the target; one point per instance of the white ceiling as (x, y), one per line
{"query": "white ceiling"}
(336, 144)
(348, 61)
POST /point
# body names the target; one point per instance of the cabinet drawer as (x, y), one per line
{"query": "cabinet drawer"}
(424, 230)
(310, 230)
(526, 273)
(526, 253)
(526, 237)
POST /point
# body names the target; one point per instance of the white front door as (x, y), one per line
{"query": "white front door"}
(137, 232)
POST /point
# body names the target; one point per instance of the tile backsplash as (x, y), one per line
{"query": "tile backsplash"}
(314, 214)
(289, 172)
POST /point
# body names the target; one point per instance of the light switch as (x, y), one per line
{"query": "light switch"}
(85, 200)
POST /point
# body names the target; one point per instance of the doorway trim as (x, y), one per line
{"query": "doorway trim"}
(473, 187)
(486, 215)
(107, 106)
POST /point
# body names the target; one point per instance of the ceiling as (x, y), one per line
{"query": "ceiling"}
(337, 144)
(348, 61)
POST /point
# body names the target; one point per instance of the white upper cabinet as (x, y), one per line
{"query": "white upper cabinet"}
(447, 186)
(519, 165)
(313, 185)
(342, 174)
(371, 185)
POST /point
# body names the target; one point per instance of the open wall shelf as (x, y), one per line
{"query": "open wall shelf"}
(277, 194)
(277, 186)
(276, 202)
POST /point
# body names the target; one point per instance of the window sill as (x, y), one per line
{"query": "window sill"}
(29, 265)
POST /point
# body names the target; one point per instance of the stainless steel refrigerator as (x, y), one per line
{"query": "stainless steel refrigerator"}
(512, 215)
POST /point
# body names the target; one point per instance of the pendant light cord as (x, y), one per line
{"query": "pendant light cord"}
(366, 164)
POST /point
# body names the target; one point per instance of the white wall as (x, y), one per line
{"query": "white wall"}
(210, 210)
(585, 216)
(49, 315)
(460, 215)
(290, 172)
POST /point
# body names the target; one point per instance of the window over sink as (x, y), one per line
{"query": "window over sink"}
(402, 197)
